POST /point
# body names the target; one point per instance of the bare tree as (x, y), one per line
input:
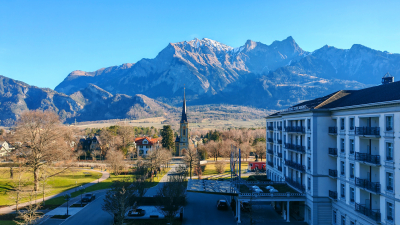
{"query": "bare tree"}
(126, 134)
(30, 215)
(94, 154)
(191, 158)
(213, 149)
(80, 153)
(115, 160)
(174, 196)
(245, 150)
(44, 140)
(220, 167)
(117, 200)
(260, 149)
(19, 183)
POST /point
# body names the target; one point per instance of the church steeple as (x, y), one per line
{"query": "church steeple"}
(184, 117)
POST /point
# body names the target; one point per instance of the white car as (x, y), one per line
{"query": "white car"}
(270, 187)
(258, 190)
(273, 191)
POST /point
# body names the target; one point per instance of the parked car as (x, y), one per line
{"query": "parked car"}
(270, 187)
(136, 212)
(273, 191)
(88, 197)
(256, 189)
(222, 204)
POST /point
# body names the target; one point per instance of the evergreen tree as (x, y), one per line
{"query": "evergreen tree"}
(167, 137)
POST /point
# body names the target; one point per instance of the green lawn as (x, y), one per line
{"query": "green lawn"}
(64, 181)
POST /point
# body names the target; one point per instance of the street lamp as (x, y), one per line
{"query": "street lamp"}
(67, 197)
(82, 189)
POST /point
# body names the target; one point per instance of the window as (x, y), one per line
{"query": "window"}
(184, 131)
(308, 124)
(334, 217)
(389, 181)
(309, 163)
(343, 220)
(351, 124)
(309, 142)
(309, 183)
(343, 189)
(342, 167)
(389, 123)
(389, 211)
(389, 151)
(342, 145)
(351, 146)
(351, 170)
(342, 123)
(351, 194)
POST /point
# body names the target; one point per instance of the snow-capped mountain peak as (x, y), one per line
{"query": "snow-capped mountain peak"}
(215, 45)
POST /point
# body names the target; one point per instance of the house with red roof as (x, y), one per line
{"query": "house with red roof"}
(144, 145)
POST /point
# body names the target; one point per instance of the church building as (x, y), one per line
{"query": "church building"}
(182, 140)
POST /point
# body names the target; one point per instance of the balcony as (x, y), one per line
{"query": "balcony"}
(298, 148)
(280, 154)
(295, 165)
(271, 128)
(373, 214)
(280, 168)
(333, 152)
(333, 195)
(295, 184)
(375, 131)
(270, 163)
(270, 140)
(367, 158)
(374, 187)
(332, 130)
(295, 129)
(270, 151)
(280, 141)
(280, 128)
(333, 173)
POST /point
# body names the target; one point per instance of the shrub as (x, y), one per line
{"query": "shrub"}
(220, 167)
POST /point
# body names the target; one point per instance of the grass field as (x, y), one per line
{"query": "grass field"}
(64, 181)
(205, 124)
(211, 170)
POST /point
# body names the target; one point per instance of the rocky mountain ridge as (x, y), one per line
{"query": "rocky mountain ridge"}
(266, 76)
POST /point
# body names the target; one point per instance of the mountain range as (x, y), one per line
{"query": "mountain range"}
(270, 77)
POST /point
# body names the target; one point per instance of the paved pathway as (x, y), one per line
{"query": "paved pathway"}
(10, 209)
(153, 190)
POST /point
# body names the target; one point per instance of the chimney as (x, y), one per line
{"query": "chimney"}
(387, 78)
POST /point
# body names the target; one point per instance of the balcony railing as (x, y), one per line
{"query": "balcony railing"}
(298, 148)
(280, 141)
(295, 165)
(368, 185)
(333, 130)
(373, 214)
(270, 128)
(333, 151)
(280, 168)
(270, 163)
(295, 129)
(270, 140)
(280, 154)
(367, 158)
(270, 151)
(368, 131)
(279, 127)
(333, 173)
(295, 184)
(333, 195)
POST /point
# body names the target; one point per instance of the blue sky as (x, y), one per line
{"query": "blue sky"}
(41, 42)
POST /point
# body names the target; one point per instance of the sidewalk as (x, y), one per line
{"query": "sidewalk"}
(153, 190)
(10, 209)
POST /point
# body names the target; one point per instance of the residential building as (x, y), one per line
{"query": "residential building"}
(4, 148)
(343, 151)
(144, 145)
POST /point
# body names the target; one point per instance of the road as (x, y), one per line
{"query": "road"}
(202, 209)
(91, 214)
